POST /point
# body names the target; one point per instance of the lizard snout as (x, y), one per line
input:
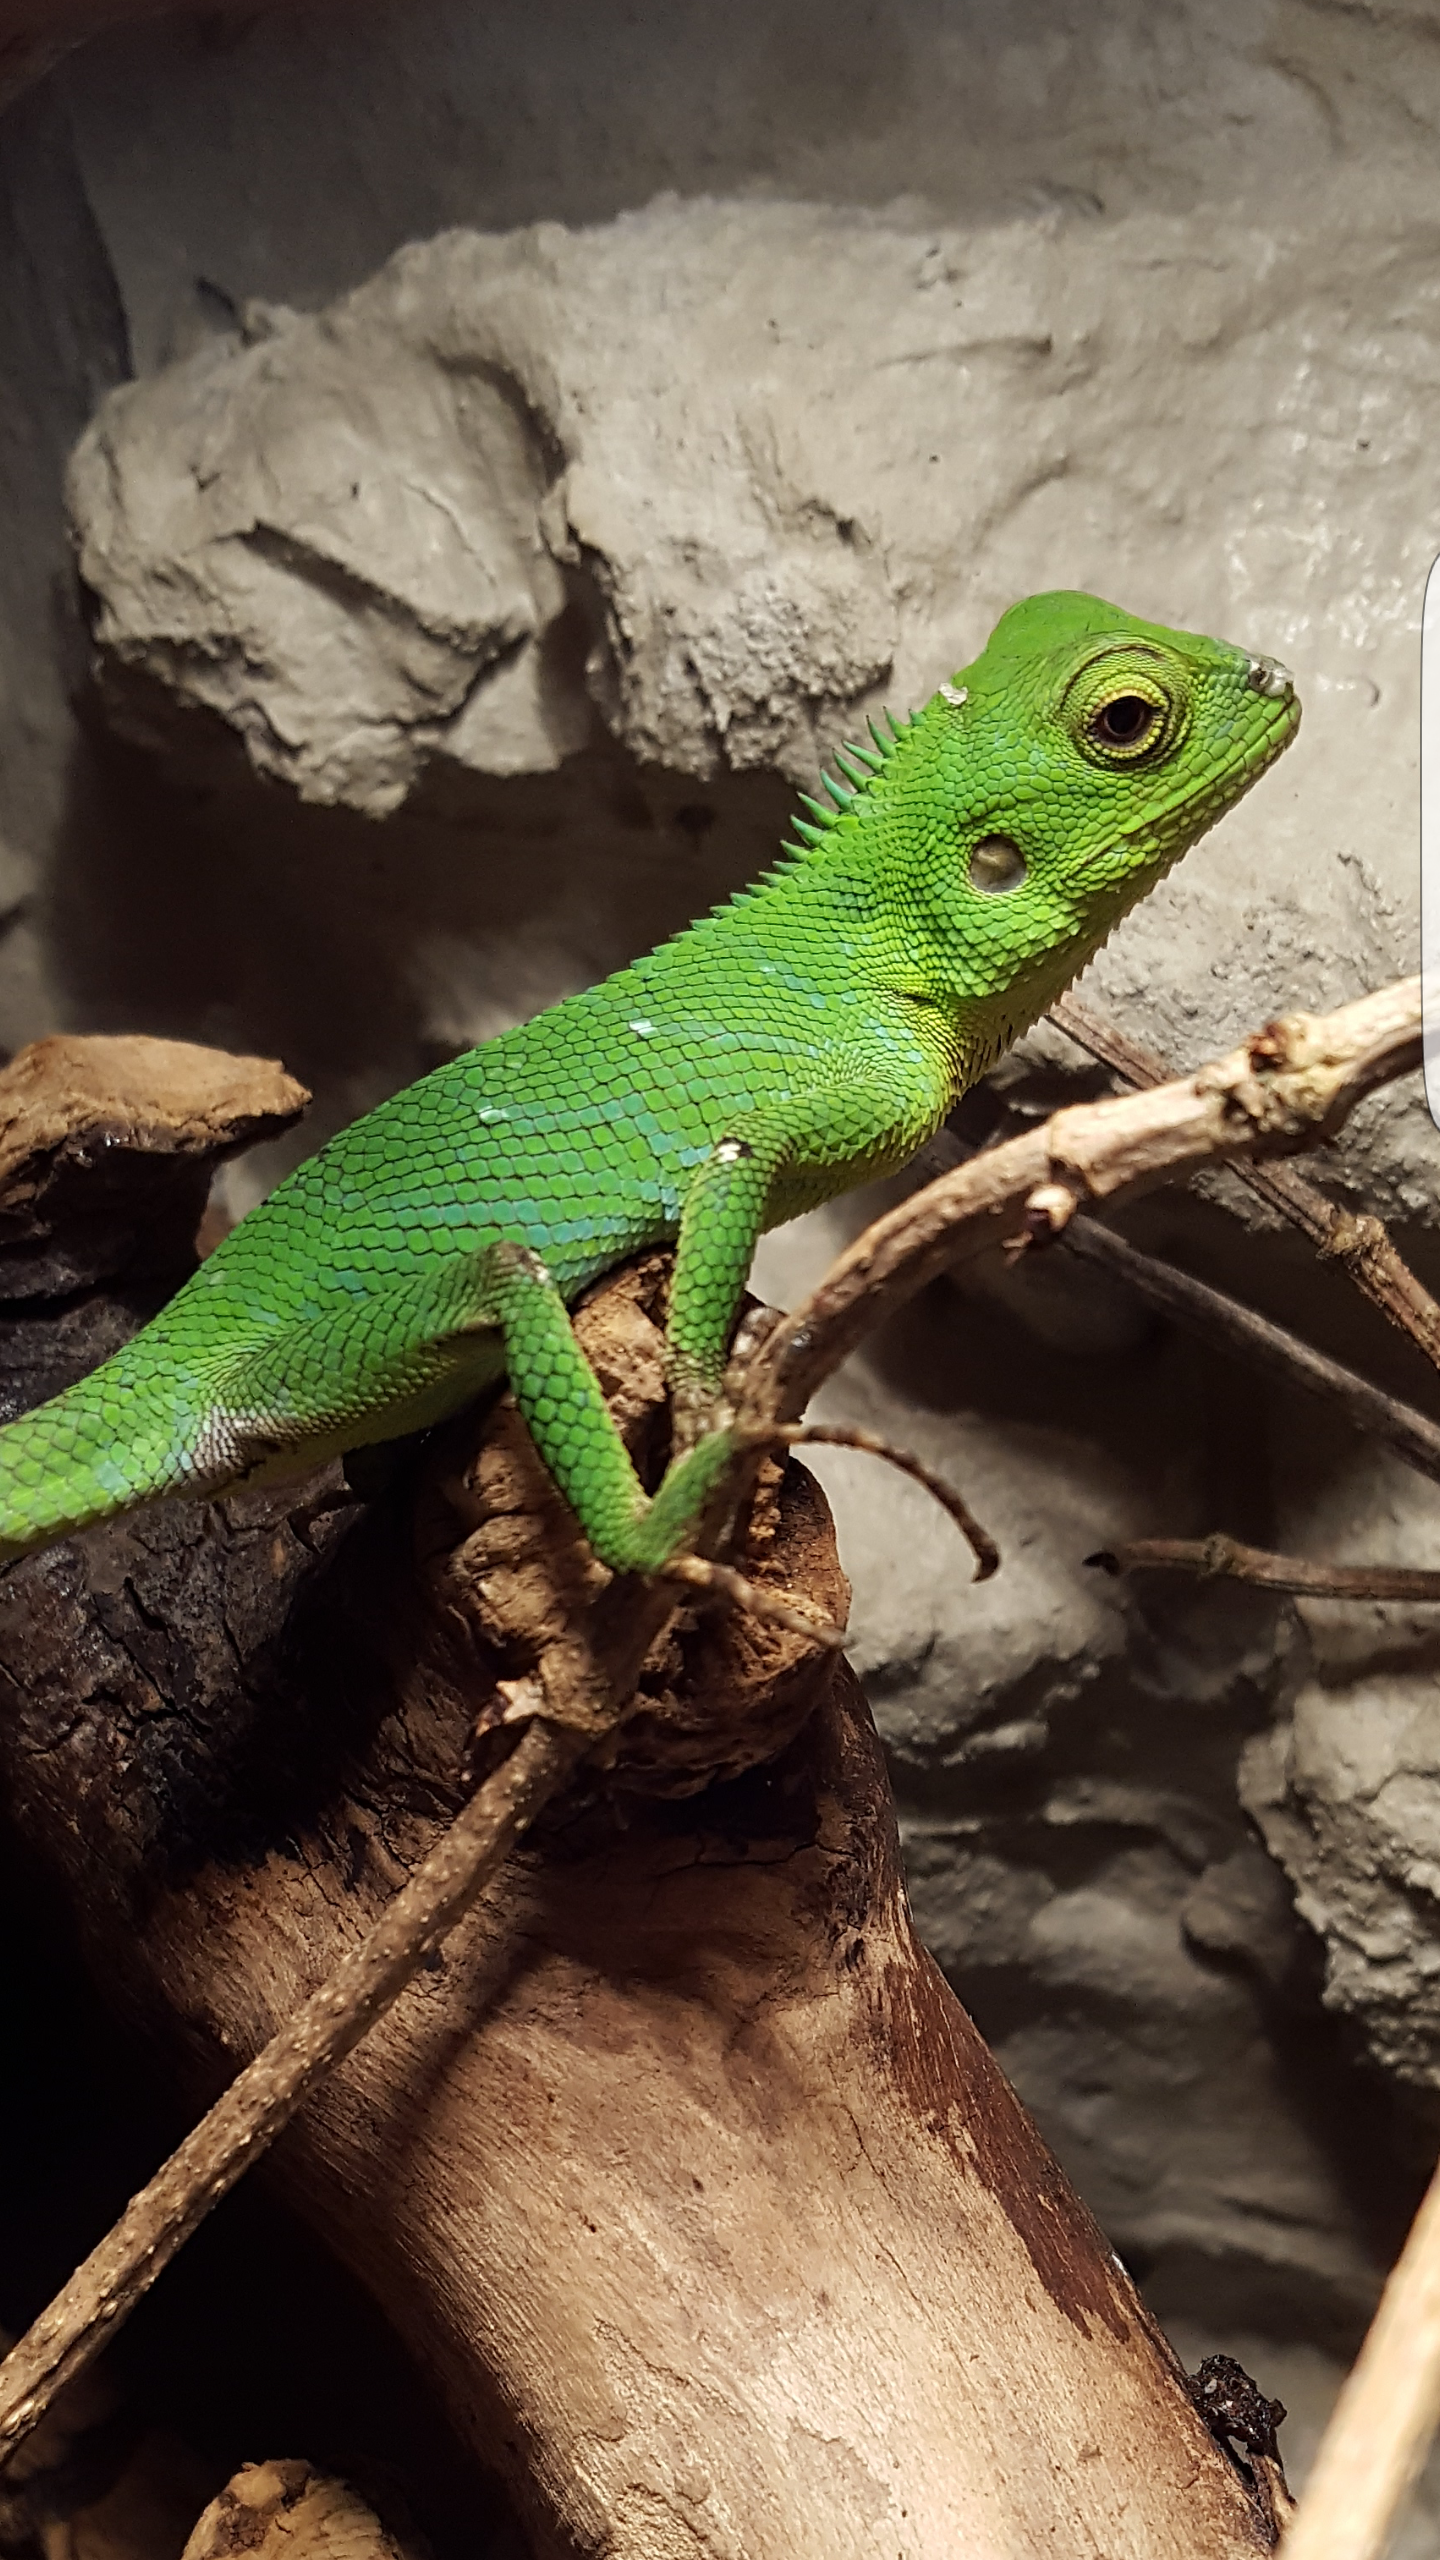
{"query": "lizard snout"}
(1267, 676)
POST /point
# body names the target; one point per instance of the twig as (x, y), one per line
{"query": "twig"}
(1410, 1433)
(701, 1573)
(265, 2095)
(849, 1435)
(1106, 1041)
(1361, 1245)
(1224, 1557)
(1385, 2415)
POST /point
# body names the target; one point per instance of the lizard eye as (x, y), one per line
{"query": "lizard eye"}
(996, 865)
(1127, 722)
(1126, 706)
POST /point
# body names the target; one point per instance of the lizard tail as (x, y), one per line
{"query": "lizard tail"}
(112, 1441)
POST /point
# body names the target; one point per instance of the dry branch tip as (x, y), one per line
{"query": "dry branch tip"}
(1222, 1558)
(846, 1435)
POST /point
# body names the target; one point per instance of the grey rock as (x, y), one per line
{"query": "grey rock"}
(1346, 1790)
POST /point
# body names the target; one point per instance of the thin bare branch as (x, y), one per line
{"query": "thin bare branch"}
(1361, 1245)
(1222, 1557)
(1385, 2416)
(849, 1435)
(1410, 1433)
(702, 1574)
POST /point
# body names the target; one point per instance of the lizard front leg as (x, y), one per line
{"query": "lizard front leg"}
(559, 1396)
(722, 1221)
(722, 1218)
(828, 1137)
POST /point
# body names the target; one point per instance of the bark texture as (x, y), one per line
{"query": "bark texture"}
(681, 2169)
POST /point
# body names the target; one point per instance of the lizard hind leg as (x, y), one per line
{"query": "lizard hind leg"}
(368, 1369)
(559, 1395)
(364, 1368)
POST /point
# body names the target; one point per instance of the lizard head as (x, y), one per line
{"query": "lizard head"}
(1043, 791)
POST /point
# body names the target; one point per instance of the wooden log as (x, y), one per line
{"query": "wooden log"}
(680, 2169)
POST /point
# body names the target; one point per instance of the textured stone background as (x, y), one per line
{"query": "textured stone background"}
(461, 624)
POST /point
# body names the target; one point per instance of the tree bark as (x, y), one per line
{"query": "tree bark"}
(680, 2168)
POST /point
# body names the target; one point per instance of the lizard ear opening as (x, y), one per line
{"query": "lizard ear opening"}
(996, 866)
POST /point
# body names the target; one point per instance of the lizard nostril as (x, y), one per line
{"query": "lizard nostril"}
(1267, 676)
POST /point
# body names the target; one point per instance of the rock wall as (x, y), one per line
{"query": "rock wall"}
(463, 622)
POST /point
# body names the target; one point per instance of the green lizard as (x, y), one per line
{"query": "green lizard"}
(807, 1035)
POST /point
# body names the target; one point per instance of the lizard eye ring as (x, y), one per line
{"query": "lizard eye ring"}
(1124, 707)
(1127, 718)
(996, 866)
